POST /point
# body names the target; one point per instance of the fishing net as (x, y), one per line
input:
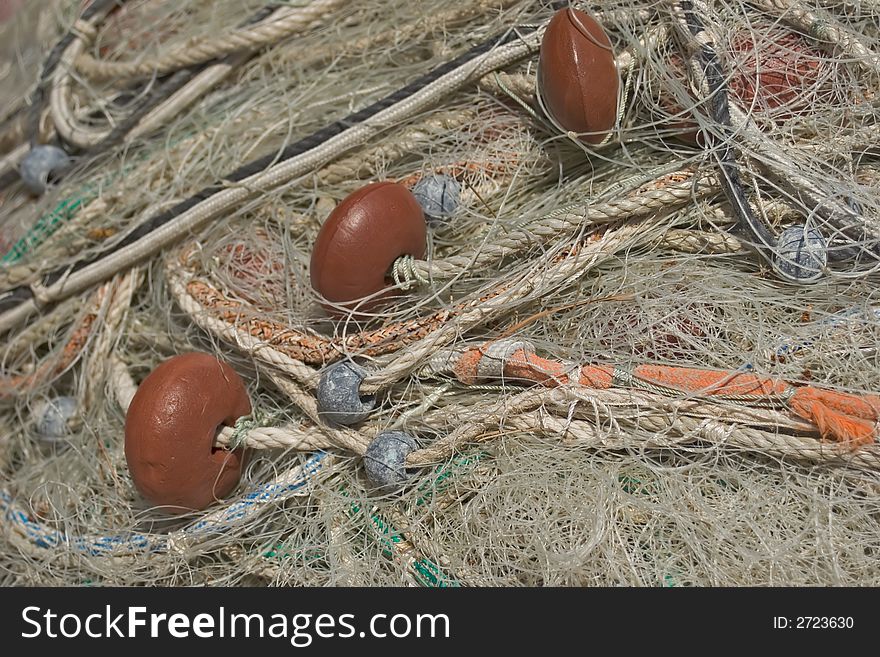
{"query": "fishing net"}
(610, 377)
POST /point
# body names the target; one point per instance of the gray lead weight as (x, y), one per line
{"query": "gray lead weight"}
(39, 164)
(385, 459)
(438, 194)
(339, 398)
(801, 254)
(52, 417)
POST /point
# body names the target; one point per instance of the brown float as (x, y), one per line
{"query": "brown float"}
(360, 241)
(170, 430)
(578, 79)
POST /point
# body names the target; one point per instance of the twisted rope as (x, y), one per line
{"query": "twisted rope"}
(288, 349)
(281, 25)
(847, 418)
(823, 30)
(669, 421)
(298, 480)
(713, 80)
(734, 122)
(665, 194)
(111, 321)
(184, 88)
(405, 274)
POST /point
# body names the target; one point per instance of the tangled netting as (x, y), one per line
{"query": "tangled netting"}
(660, 246)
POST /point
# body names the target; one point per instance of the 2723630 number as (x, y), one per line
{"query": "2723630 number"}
(824, 622)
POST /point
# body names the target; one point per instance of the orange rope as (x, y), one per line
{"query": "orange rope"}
(712, 382)
(838, 416)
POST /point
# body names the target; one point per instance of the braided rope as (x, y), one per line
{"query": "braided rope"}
(734, 122)
(515, 85)
(847, 418)
(712, 80)
(288, 349)
(248, 430)
(777, 160)
(86, 137)
(539, 280)
(423, 28)
(275, 344)
(122, 383)
(111, 320)
(364, 163)
(686, 429)
(668, 192)
(59, 362)
(66, 125)
(296, 481)
(405, 274)
(692, 241)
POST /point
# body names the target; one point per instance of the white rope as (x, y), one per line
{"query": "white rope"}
(85, 137)
(670, 419)
(109, 331)
(567, 221)
(539, 280)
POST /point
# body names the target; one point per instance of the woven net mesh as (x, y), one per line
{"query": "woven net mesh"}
(573, 490)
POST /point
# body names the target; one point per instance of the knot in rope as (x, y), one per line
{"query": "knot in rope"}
(819, 30)
(244, 425)
(84, 30)
(405, 274)
(488, 361)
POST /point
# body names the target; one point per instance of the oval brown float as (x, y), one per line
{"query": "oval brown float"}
(360, 241)
(578, 79)
(170, 429)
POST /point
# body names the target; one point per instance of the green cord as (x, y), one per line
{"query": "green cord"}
(64, 212)
(426, 571)
(43, 229)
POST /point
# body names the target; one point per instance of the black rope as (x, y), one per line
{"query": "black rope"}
(163, 90)
(8, 179)
(719, 106)
(731, 182)
(166, 88)
(36, 101)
